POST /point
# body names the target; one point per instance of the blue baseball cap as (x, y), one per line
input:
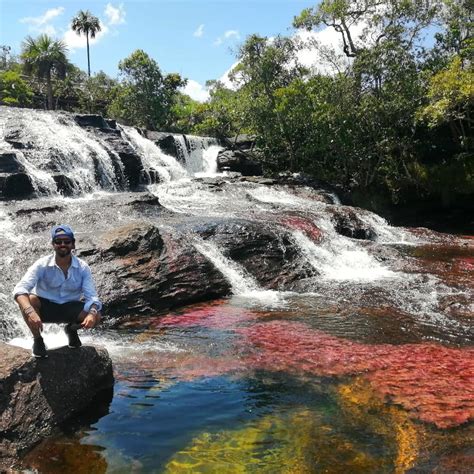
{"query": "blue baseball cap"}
(61, 231)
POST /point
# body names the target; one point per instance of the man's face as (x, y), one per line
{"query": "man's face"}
(63, 246)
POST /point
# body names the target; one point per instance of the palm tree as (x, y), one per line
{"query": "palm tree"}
(86, 23)
(45, 56)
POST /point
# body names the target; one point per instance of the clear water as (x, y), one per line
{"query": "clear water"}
(195, 393)
(363, 368)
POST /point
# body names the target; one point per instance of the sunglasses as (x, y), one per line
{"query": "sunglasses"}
(62, 241)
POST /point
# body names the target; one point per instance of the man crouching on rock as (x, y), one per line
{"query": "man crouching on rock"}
(58, 288)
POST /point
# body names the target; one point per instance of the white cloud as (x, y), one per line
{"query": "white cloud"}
(196, 91)
(115, 15)
(199, 32)
(225, 78)
(40, 23)
(228, 35)
(327, 58)
(75, 41)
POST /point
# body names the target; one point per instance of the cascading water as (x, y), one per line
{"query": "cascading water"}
(259, 368)
(198, 154)
(59, 145)
(166, 166)
(243, 284)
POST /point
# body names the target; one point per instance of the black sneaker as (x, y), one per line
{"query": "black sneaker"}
(39, 349)
(73, 339)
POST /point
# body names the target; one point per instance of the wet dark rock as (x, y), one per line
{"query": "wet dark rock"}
(91, 120)
(129, 169)
(267, 253)
(9, 163)
(38, 395)
(240, 142)
(259, 180)
(38, 210)
(142, 269)
(111, 123)
(64, 184)
(15, 136)
(347, 222)
(14, 186)
(166, 142)
(238, 161)
(145, 200)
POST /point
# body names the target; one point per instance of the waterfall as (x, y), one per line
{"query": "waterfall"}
(198, 153)
(60, 146)
(242, 283)
(153, 158)
(339, 259)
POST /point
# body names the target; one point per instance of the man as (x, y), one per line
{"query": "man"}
(58, 288)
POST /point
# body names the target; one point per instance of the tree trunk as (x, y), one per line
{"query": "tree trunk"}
(88, 58)
(49, 87)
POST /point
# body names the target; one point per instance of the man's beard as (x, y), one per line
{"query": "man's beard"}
(63, 252)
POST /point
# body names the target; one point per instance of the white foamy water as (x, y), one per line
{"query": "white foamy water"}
(339, 259)
(7, 227)
(165, 165)
(209, 163)
(70, 149)
(242, 283)
(387, 233)
(198, 153)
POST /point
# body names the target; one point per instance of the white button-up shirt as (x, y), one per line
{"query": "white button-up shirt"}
(45, 279)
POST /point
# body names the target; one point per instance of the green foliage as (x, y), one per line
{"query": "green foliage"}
(45, 58)
(14, 90)
(451, 101)
(264, 68)
(224, 115)
(145, 97)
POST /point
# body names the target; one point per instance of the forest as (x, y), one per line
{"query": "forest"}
(389, 120)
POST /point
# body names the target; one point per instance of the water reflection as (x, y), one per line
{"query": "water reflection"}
(224, 388)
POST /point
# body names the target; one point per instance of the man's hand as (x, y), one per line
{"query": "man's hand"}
(34, 321)
(89, 321)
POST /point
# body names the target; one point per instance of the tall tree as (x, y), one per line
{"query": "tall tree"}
(45, 57)
(86, 23)
(146, 96)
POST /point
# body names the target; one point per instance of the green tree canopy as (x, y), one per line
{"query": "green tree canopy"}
(145, 97)
(45, 58)
(14, 90)
(88, 24)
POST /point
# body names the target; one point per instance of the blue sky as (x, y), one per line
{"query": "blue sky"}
(192, 37)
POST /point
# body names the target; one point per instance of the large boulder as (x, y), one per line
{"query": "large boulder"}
(9, 163)
(140, 269)
(36, 395)
(15, 185)
(91, 120)
(165, 141)
(267, 253)
(348, 222)
(236, 160)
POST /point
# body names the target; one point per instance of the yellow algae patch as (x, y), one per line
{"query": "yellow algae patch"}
(363, 408)
(296, 442)
(57, 457)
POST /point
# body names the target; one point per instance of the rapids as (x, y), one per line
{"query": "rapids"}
(363, 365)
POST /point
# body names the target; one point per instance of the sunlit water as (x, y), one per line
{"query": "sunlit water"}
(361, 369)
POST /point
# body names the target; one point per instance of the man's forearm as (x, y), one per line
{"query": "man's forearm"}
(23, 302)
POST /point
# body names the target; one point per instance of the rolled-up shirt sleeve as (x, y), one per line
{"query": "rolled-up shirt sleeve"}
(88, 290)
(29, 280)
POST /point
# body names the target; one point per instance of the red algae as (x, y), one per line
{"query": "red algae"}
(434, 383)
(216, 317)
(305, 225)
